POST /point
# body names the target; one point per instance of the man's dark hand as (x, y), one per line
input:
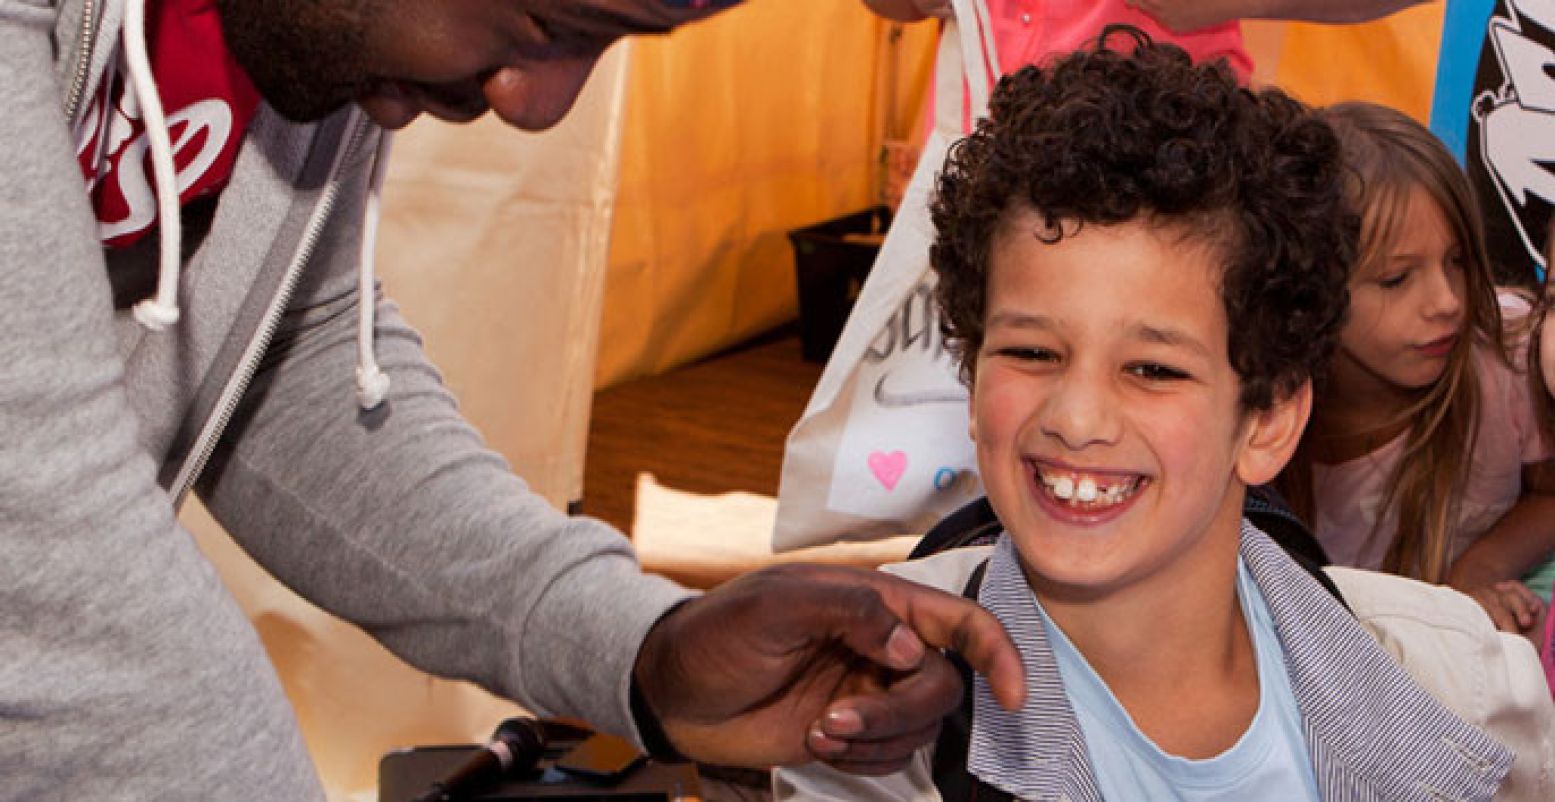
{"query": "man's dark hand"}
(796, 663)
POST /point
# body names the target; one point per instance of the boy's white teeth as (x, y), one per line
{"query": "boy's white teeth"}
(1086, 490)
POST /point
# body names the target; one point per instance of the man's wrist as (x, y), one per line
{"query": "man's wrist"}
(650, 729)
(655, 742)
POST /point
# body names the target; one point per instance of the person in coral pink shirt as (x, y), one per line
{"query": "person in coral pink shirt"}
(1028, 31)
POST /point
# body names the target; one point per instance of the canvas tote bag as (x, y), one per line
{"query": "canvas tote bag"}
(882, 448)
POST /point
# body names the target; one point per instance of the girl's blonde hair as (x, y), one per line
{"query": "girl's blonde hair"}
(1388, 156)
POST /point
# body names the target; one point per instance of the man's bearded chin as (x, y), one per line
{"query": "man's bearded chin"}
(304, 56)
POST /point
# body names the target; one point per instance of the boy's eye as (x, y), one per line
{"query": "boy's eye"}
(1028, 354)
(1153, 371)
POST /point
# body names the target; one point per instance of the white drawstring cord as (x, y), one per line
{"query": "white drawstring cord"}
(160, 311)
(372, 384)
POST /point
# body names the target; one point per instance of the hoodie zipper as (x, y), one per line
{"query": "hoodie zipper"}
(88, 42)
(237, 383)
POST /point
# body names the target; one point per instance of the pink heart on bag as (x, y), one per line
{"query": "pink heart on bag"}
(888, 468)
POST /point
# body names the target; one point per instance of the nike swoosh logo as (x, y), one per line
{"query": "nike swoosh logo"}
(895, 400)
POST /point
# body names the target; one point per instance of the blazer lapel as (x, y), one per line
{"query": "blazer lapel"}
(1373, 734)
(1038, 752)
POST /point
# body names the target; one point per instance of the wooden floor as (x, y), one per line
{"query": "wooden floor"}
(711, 427)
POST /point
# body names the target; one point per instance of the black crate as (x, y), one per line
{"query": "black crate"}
(831, 260)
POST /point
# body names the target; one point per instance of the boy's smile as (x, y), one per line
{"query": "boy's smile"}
(1081, 495)
(1105, 409)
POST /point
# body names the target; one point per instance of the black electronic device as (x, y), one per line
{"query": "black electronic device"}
(601, 758)
(600, 773)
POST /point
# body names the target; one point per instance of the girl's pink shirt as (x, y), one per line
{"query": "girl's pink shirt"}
(1349, 494)
(1026, 31)
(1029, 31)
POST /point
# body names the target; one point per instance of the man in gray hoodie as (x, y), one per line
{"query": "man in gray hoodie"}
(219, 338)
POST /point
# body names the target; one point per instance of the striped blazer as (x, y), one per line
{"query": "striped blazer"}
(1371, 731)
(1373, 734)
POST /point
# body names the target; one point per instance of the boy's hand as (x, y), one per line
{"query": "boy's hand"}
(1511, 605)
(796, 663)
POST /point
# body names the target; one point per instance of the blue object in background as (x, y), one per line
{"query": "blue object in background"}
(1494, 108)
(1463, 32)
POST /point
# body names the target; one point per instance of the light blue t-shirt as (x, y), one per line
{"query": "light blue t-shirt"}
(1268, 763)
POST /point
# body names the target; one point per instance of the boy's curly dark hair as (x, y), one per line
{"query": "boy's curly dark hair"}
(1105, 136)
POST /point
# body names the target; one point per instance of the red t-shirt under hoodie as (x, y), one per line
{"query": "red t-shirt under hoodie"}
(208, 102)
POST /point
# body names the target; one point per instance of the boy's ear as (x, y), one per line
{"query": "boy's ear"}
(1272, 436)
(971, 415)
(970, 381)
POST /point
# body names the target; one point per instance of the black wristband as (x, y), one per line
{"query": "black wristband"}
(654, 740)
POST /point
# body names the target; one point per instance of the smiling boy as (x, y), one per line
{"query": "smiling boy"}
(1141, 265)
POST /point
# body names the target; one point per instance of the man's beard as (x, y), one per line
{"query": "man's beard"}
(304, 56)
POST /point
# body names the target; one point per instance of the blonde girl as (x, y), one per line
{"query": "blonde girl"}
(1424, 455)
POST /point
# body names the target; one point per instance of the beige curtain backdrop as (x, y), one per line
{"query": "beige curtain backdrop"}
(763, 119)
(1390, 61)
(494, 243)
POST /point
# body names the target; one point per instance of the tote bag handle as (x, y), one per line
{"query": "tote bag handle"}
(968, 59)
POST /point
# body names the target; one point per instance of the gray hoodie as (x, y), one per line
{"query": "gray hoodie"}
(126, 669)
